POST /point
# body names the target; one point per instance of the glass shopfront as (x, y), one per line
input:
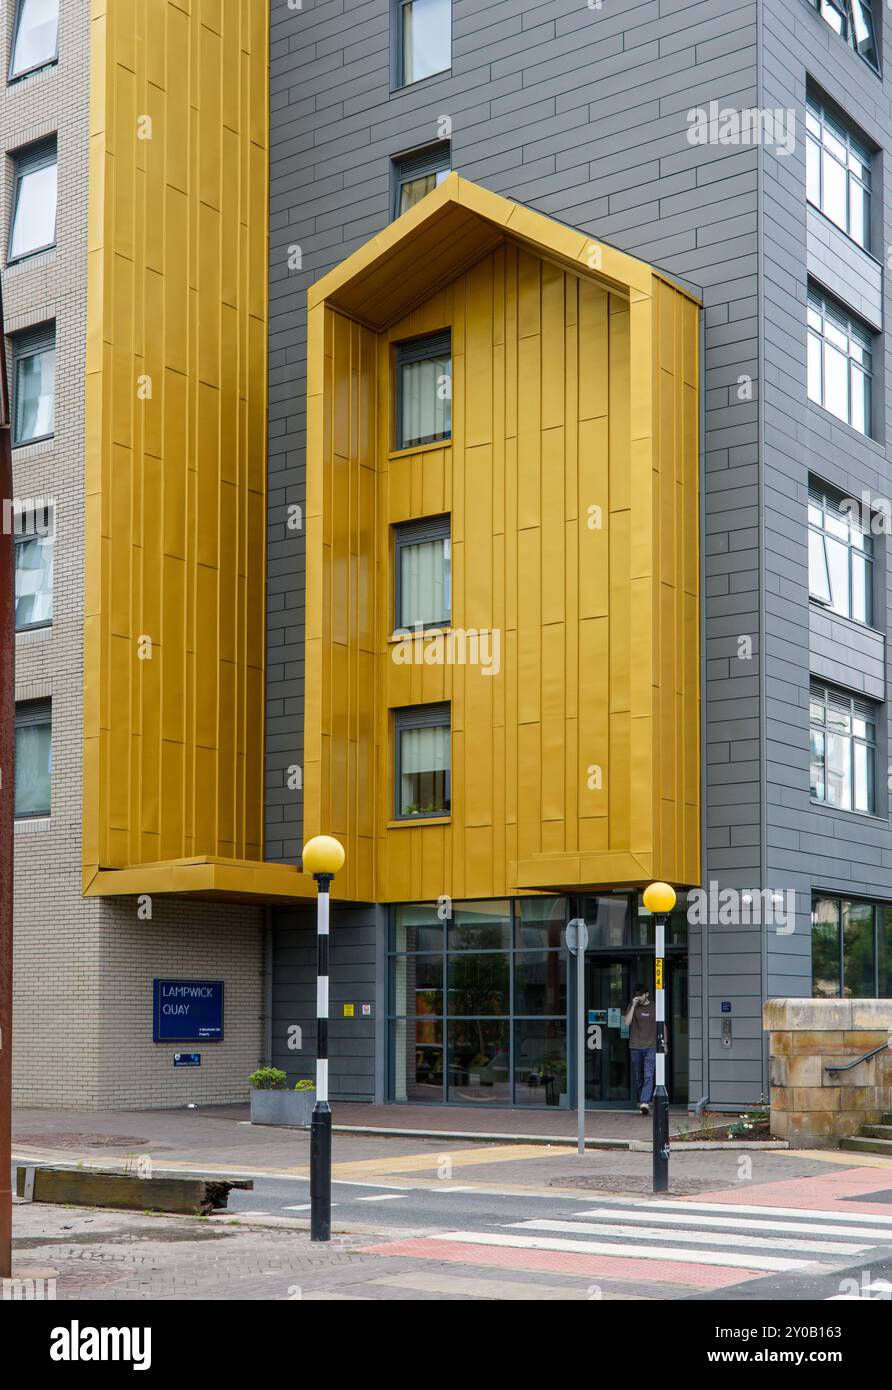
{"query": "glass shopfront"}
(482, 1001)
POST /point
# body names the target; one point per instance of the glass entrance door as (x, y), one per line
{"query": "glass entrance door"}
(609, 985)
(607, 995)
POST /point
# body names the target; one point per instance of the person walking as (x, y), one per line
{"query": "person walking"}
(641, 1020)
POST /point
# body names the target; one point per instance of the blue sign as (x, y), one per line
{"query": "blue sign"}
(187, 1011)
(726, 1006)
(187, 1059)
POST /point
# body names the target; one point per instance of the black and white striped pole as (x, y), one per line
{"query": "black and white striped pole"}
(659, 898)
(323, 857)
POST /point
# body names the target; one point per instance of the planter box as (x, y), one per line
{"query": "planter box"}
(282, 1107)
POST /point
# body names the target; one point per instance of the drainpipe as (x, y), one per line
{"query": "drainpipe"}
(7, 810)
(267, 986)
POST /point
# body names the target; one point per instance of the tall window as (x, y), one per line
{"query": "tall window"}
(33, 738)
(843, 750)
(422, 572)
(425, 38)
(851, 949)
(840, 362)
(422, 761)
(478, 1003)
(34, 384)
(35, 36)
(34, 577)
(837, 173)
(853, 21)
(424, 391)
(33, 225)
(840, 557)
(416, 175)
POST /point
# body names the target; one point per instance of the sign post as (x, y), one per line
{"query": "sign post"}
(577, 940)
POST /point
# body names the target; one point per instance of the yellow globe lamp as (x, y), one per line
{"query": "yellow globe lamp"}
(659, 898)
(323, 856)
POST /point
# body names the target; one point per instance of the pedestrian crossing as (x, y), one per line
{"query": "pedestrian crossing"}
(666, 1245)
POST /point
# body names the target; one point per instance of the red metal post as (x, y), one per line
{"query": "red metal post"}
(7, 806)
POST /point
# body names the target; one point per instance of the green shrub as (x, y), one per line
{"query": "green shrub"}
(268, 1079)
(305, 1085)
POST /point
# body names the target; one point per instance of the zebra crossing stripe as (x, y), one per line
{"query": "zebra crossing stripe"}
(680, 1218)
(717, 1238)
(766, 1263)
(744, 1208)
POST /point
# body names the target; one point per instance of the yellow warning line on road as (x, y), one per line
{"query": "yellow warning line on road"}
(457, 1158)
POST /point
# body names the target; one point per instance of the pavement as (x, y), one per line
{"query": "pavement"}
(444, 1218)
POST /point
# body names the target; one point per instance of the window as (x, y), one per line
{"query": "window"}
(416, 175)
(851, 949)
(33, 729)
(34, 576)
(839, 362)
(33, 389)
(35, 36)
(837, 173)
(424, 391)
(840, 557)
(422, 762)
(422, 573)
(843, 750)
(33, 225)
(478, 1003)
(425, 38)
(853, 21)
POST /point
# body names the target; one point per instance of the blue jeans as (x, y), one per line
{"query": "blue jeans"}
(643, 1063)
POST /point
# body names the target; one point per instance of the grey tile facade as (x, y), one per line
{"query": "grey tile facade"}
(584, 113)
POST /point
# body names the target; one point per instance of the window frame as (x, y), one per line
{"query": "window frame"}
(29, 713)
(845, 9)
(855, 330)
(406, 534)
(418, 164)
(828, 502)
(47, 538)
(430, 716)
(855, 147)
(424, 348)
(11, 75)
(400, 79)
(830, 697)
(31, 342)
(841, 901)
(30, 159)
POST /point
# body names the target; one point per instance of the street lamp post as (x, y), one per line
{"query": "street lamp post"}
(659, 898)
(323, 856)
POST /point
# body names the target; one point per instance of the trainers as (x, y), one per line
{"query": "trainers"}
(644, 1108)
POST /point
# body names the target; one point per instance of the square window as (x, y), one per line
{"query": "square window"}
(422, 761)
(33, 384)
(422, 574)
(425, 38)
(33, 739)
(35, 36)
(416, 175)
(424, 391)
(33, 224)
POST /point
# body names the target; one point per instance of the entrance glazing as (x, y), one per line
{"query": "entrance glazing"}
(480, 1011)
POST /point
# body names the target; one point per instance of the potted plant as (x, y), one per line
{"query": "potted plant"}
(273, 1104)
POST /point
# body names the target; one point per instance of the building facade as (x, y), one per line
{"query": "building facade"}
(560, 331)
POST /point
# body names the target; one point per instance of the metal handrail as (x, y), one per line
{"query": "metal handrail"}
(866, 1058)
